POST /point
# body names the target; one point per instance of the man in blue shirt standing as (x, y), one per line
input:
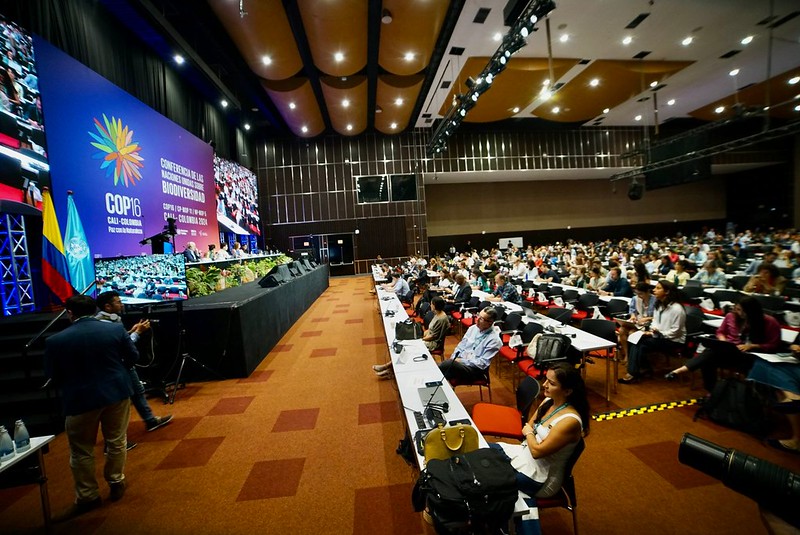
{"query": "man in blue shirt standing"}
(472, 356)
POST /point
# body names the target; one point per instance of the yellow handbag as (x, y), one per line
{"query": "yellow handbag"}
(444, 442)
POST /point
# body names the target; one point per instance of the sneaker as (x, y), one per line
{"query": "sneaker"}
(77, 509)
(117, 490)
(158, 421)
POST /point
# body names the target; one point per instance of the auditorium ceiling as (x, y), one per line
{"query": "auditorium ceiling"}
(313, 67)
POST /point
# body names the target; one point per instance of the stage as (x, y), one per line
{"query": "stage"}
(230, 331)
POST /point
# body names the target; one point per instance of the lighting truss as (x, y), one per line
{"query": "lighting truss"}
(514, 40)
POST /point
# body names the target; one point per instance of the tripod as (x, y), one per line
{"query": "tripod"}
(185, 356)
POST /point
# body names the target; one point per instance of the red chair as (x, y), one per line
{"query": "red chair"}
(502, 421)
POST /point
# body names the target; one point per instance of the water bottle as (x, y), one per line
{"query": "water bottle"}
(22, 439)
(6, 445)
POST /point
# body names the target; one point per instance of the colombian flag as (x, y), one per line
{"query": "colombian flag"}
(54, 263)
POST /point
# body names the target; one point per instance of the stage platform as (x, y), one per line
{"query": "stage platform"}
(230, 331)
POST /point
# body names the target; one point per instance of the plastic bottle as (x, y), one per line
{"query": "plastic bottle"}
(22, 439)
(6, 445)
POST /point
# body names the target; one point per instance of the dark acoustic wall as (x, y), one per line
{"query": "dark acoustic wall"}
(384, 236)
(309, 187)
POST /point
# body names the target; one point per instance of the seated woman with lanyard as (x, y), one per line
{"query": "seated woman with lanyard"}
(550, 438)
(666, 332)
(746, 326)
(641, 310)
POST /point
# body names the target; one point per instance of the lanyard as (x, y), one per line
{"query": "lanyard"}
(537, 424)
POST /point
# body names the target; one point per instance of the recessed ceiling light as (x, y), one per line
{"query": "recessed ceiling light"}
(556, 109)
(747, 40)
(345, 103)
(247, 126)
(393, 126)
(797, 108)
(606, 110)
(637, 118)
(794, 80)
(223, 103)
(497, 36)
(398, 101)
(409, 56)
(292, 105)
(595, 82)
(515, 109)
(734, 72)
(671, 102)
(545, 94)
(687, 41)
(266, 60)
(719, 109)
(564, 38)
(178, 59)
(349, 127)
(338, 56)
(628, 40)
(546, 82)
(524, 32)
(304, 129)
(654, 83)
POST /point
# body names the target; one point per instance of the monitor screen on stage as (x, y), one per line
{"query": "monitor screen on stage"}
(236, 191)
(143, 279)
(130, 168)
(24, 169)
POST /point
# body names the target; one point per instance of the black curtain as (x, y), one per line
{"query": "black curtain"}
(88, 32)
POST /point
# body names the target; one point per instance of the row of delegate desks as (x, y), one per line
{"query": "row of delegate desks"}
(413, 368)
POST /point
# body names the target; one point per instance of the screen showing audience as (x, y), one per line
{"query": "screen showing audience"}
(24, 169)
(143, 279)
(236, 191)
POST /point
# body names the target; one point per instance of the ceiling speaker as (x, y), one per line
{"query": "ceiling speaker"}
(635, 191)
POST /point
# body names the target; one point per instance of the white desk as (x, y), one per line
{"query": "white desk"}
(412, 373)
(37, 448)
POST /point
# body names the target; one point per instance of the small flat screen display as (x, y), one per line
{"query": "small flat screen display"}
(143, 279)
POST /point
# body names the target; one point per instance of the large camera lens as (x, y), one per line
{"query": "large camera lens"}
(773, 487)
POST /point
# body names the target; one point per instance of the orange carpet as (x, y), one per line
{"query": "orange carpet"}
(307, 445)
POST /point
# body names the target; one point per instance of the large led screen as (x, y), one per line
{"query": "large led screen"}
(129, 167)
(143, 279)
(24, 170)
(236, 191)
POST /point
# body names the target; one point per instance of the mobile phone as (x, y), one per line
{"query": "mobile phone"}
(433, 383)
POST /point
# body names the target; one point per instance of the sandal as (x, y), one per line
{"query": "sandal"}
(778, 445)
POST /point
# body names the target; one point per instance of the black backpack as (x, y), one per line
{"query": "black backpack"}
(473, 492)
(737, 404)
(550, 348)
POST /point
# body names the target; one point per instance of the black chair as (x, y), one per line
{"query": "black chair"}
(566, 497)
(562, 315)
(586, 302)
(738, 282)
(720, 296)
(607, 330)
(617, 307)
(773, 305)
(570, 295)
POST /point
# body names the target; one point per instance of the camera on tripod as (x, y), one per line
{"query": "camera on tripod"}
(773, 487)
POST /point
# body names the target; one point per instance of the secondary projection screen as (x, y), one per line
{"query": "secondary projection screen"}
(236, 191)
(130, 168)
